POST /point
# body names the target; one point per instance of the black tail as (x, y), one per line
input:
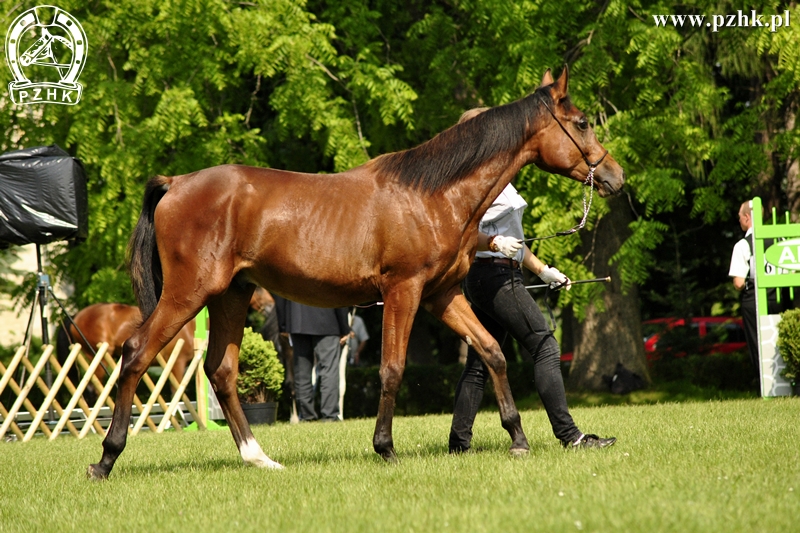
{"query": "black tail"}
(144, 263)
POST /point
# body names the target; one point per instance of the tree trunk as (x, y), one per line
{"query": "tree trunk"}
(792, 167)
(780, 182)
(614, 335)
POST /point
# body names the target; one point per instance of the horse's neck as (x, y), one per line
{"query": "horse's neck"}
(472, 196)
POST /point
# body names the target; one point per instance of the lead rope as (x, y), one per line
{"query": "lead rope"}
(586, 207)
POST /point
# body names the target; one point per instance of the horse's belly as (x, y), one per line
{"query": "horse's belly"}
(332, 288)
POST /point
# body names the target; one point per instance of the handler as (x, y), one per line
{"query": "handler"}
(743, 273)
(499, 299)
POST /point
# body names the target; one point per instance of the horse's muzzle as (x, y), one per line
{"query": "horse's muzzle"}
(610, 186)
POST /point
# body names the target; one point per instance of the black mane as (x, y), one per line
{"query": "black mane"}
(456, 152)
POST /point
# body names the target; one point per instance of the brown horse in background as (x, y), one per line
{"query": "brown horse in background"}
(210, 237)
(114, 323)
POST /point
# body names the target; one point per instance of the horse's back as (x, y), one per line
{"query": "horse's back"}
(114, 323)
(321, 239)
(273, 226)
(105, 322)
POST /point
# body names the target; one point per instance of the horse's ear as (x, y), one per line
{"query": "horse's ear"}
(561, 87)
(547, 79)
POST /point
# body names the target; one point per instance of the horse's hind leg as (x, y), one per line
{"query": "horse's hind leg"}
(454, 310)
(226, 314)
(137, 354)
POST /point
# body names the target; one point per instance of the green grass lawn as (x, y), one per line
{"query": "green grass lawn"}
(711, 466)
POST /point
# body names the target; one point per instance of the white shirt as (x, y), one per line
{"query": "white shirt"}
(504, 217)
(741, 259)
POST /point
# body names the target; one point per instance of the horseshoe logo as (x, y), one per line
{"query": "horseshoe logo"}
(59, 52)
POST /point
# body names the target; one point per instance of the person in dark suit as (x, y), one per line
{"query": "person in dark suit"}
(314, 332)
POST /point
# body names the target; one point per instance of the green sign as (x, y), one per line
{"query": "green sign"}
(784, 254)
(779, 267)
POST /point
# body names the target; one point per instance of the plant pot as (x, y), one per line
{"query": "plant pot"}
(260, 413)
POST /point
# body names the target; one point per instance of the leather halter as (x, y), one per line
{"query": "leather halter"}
(589, 182)
(591, 165)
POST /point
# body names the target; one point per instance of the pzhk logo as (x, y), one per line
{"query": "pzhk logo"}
(48, 45)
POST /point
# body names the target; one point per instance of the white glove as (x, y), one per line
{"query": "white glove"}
(556, 279)
(508, 246)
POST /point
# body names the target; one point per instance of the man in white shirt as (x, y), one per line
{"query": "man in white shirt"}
(743, 274)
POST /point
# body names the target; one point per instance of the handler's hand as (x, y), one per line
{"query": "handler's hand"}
(556, 279)
(508, 246)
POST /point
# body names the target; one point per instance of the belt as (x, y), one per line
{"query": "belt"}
(500, 261)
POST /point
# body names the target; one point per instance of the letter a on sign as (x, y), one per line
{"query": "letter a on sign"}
(784, 254)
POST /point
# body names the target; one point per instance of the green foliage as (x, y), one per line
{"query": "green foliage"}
(430, 389)
(174, 86)
(722, 372)
(260, 371)
(8, 257)
(425, 389)
(789, 342)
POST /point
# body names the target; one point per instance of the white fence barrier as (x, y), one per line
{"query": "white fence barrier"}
(78, 417)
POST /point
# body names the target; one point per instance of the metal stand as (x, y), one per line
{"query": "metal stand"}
(42, 289)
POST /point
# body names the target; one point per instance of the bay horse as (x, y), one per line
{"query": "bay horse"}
(210, 237)
(114, 323)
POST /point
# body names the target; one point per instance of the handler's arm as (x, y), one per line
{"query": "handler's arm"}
(738, 283)
(531, 262)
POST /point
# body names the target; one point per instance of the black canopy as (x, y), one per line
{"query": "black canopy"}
(42, 197)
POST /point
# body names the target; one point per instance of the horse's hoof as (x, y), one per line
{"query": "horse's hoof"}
(95, 474)
(519, 452)
(265, 462)
(390, 457)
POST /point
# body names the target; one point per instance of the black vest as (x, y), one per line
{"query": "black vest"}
(749, 291)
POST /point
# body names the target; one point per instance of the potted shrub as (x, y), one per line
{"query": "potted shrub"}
(260, 378)
(789, 345)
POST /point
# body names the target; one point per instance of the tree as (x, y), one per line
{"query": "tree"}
(322, 86)
(176, 86)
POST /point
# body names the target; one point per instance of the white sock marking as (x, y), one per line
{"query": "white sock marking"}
(252, 454)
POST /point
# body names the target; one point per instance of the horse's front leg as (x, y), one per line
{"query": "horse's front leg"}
(454, 311)
(226, 315)
(400, 305)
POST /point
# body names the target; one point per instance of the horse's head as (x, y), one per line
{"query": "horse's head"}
(567, 143)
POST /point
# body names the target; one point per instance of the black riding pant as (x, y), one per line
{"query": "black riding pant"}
(750, 324)
(503, 305)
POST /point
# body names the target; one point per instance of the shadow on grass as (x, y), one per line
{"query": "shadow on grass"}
(234, 463)
(666, 392)
(158, 467)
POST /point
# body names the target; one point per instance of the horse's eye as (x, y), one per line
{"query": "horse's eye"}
(583, 124)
